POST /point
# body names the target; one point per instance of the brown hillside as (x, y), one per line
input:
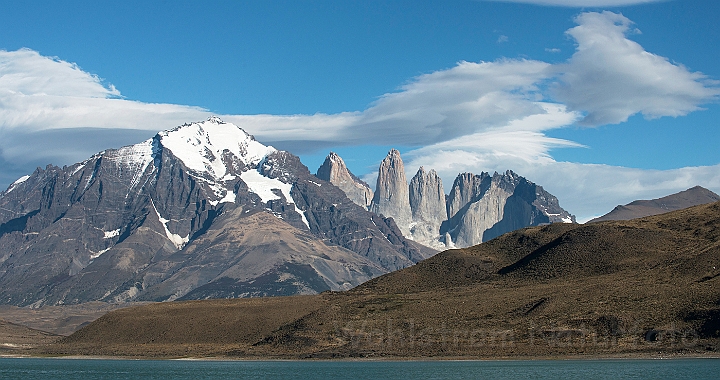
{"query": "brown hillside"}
(16, 339)
(648, 286)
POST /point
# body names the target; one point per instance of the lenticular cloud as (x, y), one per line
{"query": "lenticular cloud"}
(26, 72)
(475, 115)
(607, 80)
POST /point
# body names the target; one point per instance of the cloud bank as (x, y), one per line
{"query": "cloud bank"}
(475, 116)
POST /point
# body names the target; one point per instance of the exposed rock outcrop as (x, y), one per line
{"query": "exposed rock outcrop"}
(427, 203)
(391, 197)
(467, 188)
(478, 208)
(485, 207)
(334, 171)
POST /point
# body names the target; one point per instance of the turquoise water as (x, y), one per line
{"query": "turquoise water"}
(196, 370)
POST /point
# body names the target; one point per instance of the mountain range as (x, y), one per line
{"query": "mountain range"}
(477, 209)
(206, 211)
(199, 211)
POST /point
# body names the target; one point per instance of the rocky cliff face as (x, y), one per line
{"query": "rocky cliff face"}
(486, 207)
(185, 215)
(391, 197)
(466, 188)
(334, 171)
(427, 204)
(477, 209)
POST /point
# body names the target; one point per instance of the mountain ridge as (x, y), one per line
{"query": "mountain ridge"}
(693, 196)
(107, 228)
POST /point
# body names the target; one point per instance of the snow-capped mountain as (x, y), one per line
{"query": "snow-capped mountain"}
(202, 210)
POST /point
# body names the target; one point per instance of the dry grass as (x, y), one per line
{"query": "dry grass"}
(643, 287)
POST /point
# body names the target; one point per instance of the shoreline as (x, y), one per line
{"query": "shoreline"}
(628, 356)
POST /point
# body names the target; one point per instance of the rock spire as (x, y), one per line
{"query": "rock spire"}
(336, 172)
(391, 197)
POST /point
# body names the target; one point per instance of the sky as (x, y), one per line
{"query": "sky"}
(601, 102)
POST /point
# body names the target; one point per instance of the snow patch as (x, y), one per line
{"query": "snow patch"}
(112, 234)
(98, 254)
(17, 182)
(176, 239)
(315, 183)
(264, 186)
(229, 198)
(21, 180)
(78, 168)
(565, 219)
(200, 146)
(134, 157)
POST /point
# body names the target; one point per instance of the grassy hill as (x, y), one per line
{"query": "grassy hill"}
(647, 286)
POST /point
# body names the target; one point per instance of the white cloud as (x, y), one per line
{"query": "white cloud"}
(467, 98)
(582, 3)
(26, 72)
(471, 117)
(40, 93)
(464, 99)
(612, 78)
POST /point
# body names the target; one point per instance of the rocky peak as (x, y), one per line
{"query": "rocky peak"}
(427, 196)
(427, 203)
(466, 188)
(391, 197)
(507, 181)
(283, 166)
(484, 207)
(236, 209)
(336, 172)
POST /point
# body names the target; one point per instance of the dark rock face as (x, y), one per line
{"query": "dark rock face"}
(127, 223)
(334, 171)
(391, 197)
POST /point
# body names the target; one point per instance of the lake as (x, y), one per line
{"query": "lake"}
(88, 369)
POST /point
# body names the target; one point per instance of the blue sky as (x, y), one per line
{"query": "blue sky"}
(599, 101)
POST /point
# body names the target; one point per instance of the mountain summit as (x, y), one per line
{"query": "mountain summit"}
(199, 211)
(334, 171)
(478, 208)
(391, 192)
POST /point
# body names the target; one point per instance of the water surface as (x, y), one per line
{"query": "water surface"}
(89, 369)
